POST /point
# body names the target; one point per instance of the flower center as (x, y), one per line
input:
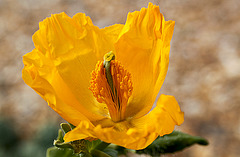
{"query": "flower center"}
(111, 84)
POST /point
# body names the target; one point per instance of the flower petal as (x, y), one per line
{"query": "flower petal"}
(135, 133)
(44, 79)
(113, 32)
(143, 48)
(163, 118)
(73, 46)
(132, 138)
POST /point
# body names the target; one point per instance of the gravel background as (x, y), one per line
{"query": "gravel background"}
(203, 75)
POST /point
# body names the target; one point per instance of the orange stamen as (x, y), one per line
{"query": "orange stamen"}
(116, 99)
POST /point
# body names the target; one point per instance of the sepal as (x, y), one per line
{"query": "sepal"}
(65, 127)
(64, 152)
(78, 148)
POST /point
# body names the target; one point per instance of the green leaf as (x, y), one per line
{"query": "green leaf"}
(61, 152)
(93, 144)
(111, 152)
(98, 153)
(171, 143)
(122, 150)
(102, 145)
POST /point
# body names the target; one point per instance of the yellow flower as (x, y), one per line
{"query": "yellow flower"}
(111, 98)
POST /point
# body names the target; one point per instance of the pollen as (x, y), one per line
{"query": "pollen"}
(115, 97)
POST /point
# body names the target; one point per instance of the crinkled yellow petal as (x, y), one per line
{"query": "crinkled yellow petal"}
(113, 32)
(161, 60)
(143, 48)
(45, 80)
(72, 47)
(163, 118)
(132, 138)
(136, 133)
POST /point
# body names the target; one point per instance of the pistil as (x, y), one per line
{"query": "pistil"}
(111, 84)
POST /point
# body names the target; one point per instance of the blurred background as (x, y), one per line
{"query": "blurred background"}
(204, 70)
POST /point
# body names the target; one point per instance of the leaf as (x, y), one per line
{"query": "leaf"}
(102, 145)
(60, 152)
(98, 153)
(171, 143)
(121, 150)
(111, 152)
(93, 144)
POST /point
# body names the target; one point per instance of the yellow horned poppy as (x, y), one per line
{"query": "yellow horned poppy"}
(105, 81)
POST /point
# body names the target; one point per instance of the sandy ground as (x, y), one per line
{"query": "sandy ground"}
(203, 75)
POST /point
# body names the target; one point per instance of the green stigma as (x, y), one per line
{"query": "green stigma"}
(108, 57)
